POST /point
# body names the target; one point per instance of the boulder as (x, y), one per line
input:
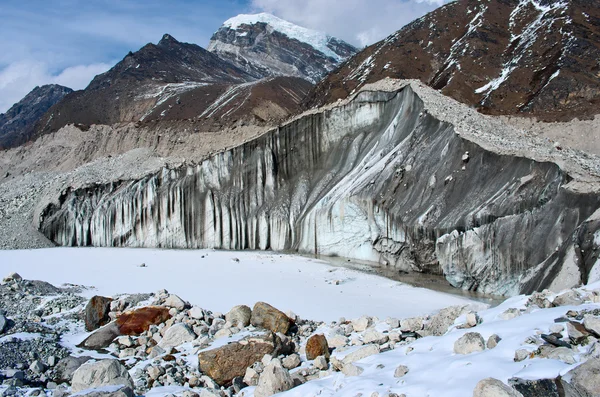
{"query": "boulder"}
(374, 336)
(586, 378)
(439, 323)
(337, 341)
(196, 313)
(592, 324)
(491, 387)
(135, 322)
(175, 302)
(108, 391)
(251, 377)
(511, 313)
(577, 332)
(292, 361)
(227, 362)
(569, 298)
(321, 363)
(539, 387)
(493, 341)
(356, 355)
(176, 335)
(102, 338)
(352, 370)
(267, 317)
(96, 312)
(99, 374)
(362, 323)
(64, 369)
(12, 277)
(239, 316)
(469, 343)
(400, 371)
(317, 346)
(274, 379)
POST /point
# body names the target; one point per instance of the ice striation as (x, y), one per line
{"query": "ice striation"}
(378, 178)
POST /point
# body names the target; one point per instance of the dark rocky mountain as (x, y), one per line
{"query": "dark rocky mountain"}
(177, 81)
(17, 124)
(529, 57)
(134, 86)
(264, 45)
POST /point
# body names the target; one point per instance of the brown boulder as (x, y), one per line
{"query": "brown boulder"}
(317, 346)
(137, 321)
(227, 362)
(266, 316)
(96, 312)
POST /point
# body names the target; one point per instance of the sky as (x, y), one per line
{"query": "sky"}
(68, 42)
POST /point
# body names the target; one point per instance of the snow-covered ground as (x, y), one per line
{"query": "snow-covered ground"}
(219, 280)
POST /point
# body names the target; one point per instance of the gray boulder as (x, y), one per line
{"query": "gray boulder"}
(274, 379)
(470, 342)
(108, 391)
(99, 374)
(102, 338)
(96, 312)
(491, 387)
(438, 324)
(586, 378)
(239, 316)
(176, 335)
(592, 324)
(63, 371)
(176, 302)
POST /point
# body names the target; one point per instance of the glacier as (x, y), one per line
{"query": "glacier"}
(377, 178)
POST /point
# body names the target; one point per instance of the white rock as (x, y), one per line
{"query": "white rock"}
(592, 323)
(374, 336)
(175, 302)
(491, 387)
(321, 363)
(393, 322)
(363, 352)
(125, 341)
(337, 341)
(361, 324)
(352, 370)
(196, 313)
(509, 314)
(266, 360)
(472, 319)
(223, 333)
(469, 343)
(251, 377)
(411, 324)
(274, 379)
(176, 335)
(100, 373)
(556, 328)
(292, 361)
(37, 367)
(493, 341)
(400, 371)
(522, 354)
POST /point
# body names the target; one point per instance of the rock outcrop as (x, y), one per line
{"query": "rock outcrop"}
(421, 186)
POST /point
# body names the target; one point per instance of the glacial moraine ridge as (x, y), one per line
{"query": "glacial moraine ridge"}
(378, 178)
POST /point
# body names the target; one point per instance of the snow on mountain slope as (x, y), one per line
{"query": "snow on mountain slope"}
(264, 45)
(318, 40)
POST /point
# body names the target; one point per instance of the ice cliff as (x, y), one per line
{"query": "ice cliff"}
(377, 178)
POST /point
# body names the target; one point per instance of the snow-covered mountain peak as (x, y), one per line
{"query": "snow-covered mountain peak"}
(264, 45)
(317, 40)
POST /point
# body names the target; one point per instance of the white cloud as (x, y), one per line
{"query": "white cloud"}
(360, 22)
(18, 78)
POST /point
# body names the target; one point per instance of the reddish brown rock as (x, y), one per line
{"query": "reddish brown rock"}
(96, 312)
(227, 362)
(137, 321)
(267, 317)
(317, 346)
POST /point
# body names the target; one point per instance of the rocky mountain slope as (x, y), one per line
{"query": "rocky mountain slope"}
(17, 125)
(263, 45)
(525, 57)
(177, 81)
(348, 181)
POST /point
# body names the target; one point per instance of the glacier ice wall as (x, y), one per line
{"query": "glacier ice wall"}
(377, 179)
